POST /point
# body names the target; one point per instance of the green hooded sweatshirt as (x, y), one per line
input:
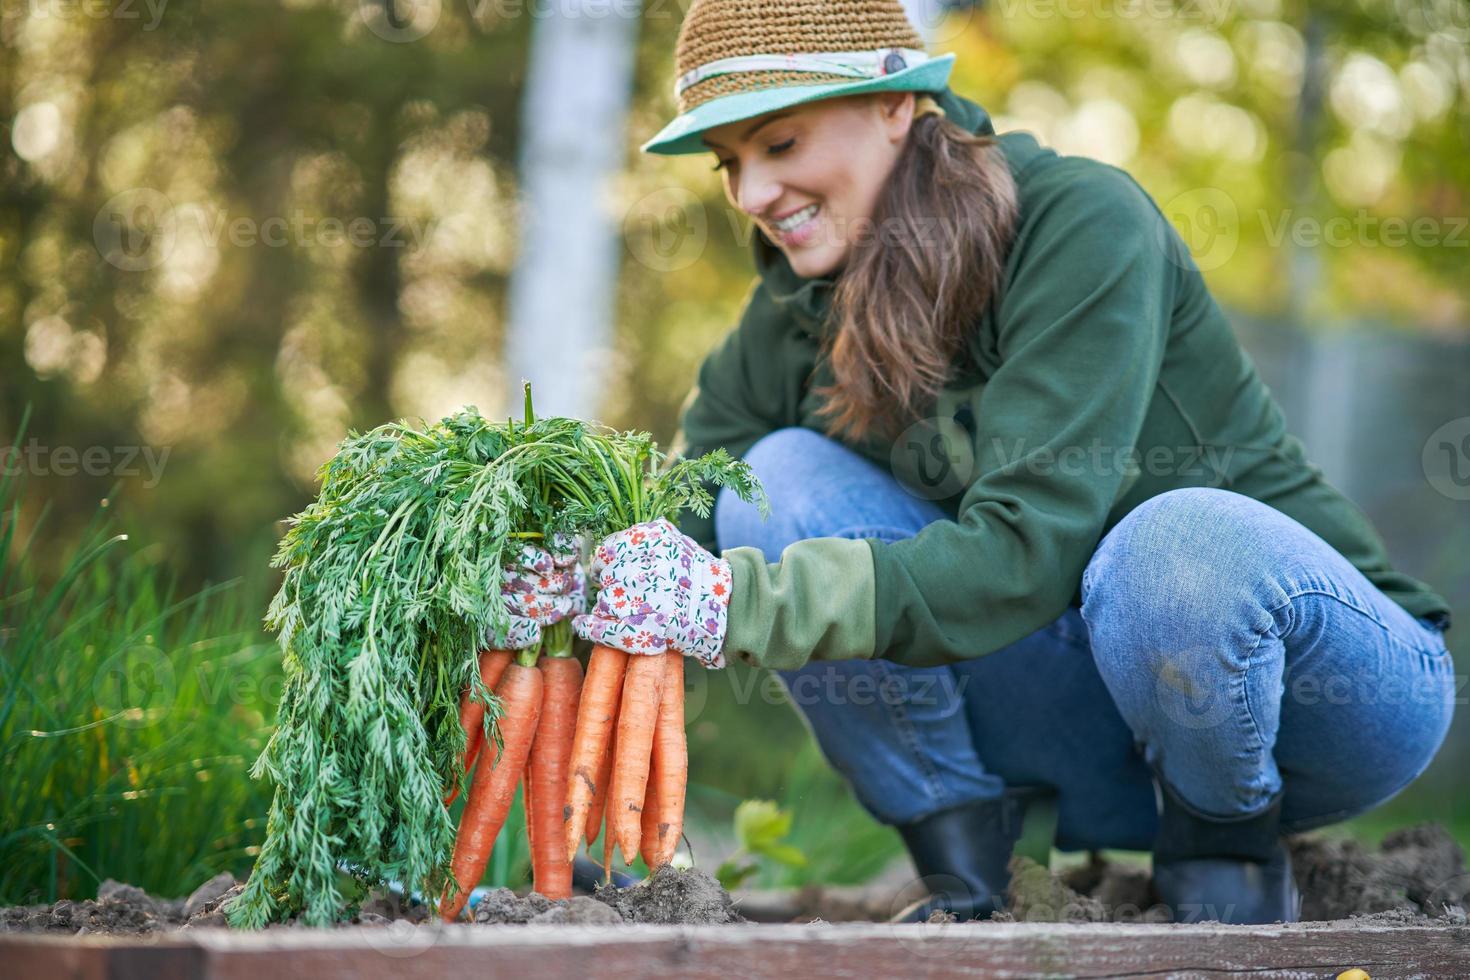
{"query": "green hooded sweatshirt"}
(1101, 375)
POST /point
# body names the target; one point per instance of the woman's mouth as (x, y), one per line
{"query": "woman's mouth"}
(799, 228)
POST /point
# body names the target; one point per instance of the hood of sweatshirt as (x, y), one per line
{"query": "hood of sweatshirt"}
(808, 299)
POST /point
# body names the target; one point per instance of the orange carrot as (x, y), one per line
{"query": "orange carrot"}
(472, 713)
(643, 684)
(596, 713)
(607, 858)
(546, 784)
(599, 795)
(494, 786)
(648, 839)
(663, 808)
(526, 786)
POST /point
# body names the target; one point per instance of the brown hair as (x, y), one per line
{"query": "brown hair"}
(911, 290)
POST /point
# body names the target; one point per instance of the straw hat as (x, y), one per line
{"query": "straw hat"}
(736, 59)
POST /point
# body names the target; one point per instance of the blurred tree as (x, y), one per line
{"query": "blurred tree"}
(228, 232)
(565, 279)
(233, 233)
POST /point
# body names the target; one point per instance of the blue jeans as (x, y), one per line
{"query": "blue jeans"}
(1221, 646)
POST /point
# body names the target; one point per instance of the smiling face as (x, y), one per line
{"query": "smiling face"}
(809, 176)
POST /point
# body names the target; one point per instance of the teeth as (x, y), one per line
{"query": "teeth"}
(798, 219)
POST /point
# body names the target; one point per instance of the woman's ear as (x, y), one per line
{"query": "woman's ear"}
(896, 114)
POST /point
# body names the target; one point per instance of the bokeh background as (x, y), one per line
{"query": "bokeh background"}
(232, 230)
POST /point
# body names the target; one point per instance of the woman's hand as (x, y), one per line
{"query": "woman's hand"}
(541, 586)
(658, 591)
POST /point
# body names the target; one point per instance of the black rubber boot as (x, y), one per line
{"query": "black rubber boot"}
(1236, 871)
(962, 855)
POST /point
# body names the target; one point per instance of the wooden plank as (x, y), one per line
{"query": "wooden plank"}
(781, 952)
(50, 957)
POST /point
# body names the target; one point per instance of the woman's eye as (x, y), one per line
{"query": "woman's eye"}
(781, 147)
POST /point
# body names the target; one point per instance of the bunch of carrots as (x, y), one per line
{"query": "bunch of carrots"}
(558, 745)
(391, 587)
(630, 762)
(605, 747)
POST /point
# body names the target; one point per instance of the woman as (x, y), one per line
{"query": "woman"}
(1036, 522)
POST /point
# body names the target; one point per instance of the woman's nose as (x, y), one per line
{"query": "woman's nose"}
(756, 192)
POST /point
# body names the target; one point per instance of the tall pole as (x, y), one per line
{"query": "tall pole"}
(1327, 363)
(573, 138)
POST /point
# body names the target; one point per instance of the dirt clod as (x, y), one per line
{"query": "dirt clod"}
(501, 906)
(1120, 888)
(208, 893)
(209, 910)
(1419, 870)
(391, 907)
(118, 909)
(673, 896)
(1417, 875)
(580, 910)
(1037, 895)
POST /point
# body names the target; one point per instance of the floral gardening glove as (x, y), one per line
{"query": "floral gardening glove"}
(658, 591)
(541, 586)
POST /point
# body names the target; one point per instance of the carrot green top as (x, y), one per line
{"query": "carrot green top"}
(1104, 341)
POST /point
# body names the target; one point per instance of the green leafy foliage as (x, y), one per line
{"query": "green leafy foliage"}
(128, 712)
(761, 828)
(392, 587)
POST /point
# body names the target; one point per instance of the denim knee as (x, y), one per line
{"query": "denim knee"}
(780, 460)
(1196, 604)
(1162, 533)
(818, 487)
(1177, 602)
(1180, 561)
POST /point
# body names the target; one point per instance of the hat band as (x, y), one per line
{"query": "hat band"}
(857, 64)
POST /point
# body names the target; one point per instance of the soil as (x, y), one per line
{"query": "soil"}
(121, 909)
(1417, 876)
(670, 896)
(674, 897)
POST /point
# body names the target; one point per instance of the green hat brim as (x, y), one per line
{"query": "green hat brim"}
(682, 134)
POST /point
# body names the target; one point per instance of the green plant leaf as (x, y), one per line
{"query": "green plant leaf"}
(760, 823)
(732, 875)
(784, 854)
